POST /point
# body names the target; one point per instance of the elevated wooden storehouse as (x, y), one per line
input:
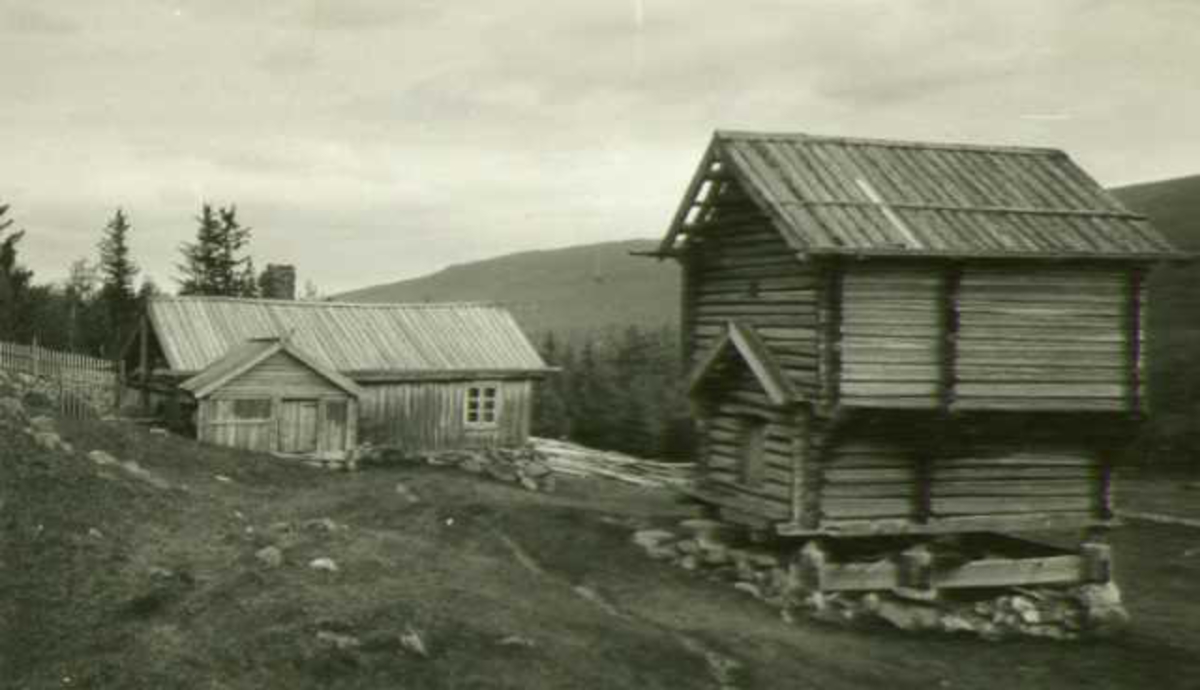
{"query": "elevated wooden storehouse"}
(269, 396)
(421, 377)
(896, 338)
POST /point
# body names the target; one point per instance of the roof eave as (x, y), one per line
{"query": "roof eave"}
(1177, 256)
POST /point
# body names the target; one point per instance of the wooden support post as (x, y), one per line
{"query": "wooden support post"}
(810, 566)
(118, 384)
(830, 315)
(1133, 334)
(916, 569)
(35, 351)
(948, 355)
(1097, 561)
(802, 424)
(144, 365)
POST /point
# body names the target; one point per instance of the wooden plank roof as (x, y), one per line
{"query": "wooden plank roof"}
(836, 195)
(385, 340)
(245, 356)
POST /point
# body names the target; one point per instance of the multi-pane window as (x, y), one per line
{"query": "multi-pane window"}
(252, 409)
(483, 405)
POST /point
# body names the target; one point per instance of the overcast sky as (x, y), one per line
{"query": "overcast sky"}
(373, 140)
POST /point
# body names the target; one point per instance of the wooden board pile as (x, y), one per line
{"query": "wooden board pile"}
(574, 460)
(771, 574)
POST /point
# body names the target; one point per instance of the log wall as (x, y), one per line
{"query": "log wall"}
(1048, 339)
(768, 487)
(978, 337)
(891, 332)
(738, 267)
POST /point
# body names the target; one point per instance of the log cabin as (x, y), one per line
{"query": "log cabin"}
(415, 378)
(901, 339)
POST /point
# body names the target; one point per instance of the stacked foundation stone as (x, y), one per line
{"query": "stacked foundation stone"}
(773, 574)
(522, 465)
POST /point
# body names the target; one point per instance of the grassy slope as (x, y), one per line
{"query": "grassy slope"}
(88, 609)
(564, 290)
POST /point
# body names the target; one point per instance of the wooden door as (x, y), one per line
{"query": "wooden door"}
(336, 419)
(298, 426)
(754, 436)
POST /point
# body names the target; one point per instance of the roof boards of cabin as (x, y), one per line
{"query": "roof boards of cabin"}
(193, 332)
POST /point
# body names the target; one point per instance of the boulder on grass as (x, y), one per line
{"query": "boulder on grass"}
(269, 556)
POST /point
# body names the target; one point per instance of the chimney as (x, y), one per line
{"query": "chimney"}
(279, 282)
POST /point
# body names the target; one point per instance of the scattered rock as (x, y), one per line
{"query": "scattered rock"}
(516, 641)
(648, 538)
(338, 640)
(48, 440)
(406, 494)
(326, 564)
(502, 472)
(42, 423)
(95, 533)
(412, 640)
(322, 525)
(158, 431)
(473, 465)
(749, 588)
(272, 557)
(133, 469)
(663, 552)
(102, 458)
(13, 407)
(222, 478)
(911, 617)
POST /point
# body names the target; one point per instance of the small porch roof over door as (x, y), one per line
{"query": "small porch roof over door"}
(244, 357)
(742, 342)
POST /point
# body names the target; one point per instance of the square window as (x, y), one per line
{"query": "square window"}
(482, 406)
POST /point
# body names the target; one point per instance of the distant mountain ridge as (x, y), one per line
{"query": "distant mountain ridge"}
(1172, 205)
(601, 286)
(569, 291)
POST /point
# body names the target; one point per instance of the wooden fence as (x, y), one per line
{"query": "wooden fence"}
(83, 386)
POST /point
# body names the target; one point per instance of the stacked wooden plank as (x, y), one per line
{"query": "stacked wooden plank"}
(891, 334)
(1044, 339)
(580, 461)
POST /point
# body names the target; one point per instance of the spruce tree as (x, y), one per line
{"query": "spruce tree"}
(236, 272)
(201, 258)
(14, 283)
(214, 264)
(117, 272)
(551, 417)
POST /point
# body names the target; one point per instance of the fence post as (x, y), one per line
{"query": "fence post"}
(118, 386)
(33, 352)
